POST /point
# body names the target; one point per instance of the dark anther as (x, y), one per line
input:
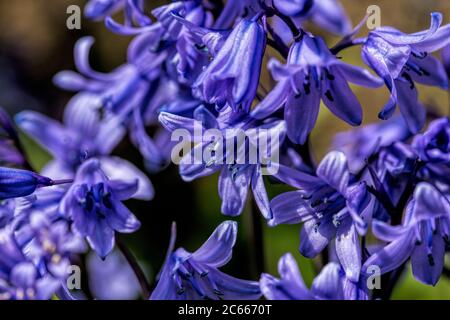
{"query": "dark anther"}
(307, 88)
(329, 95)
(431, 260)
(409, 79)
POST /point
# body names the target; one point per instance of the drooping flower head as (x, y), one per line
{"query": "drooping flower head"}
(19, 277)
(233, 75)
(331, 204)
(403, 59)
(423, 236)
(312, 74)
(94, 204)
(195, 276)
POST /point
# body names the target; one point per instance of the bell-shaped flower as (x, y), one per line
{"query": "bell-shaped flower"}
(434, 145)
(16, 183)
(94, 204)
(331, 204)
(195, 276)
(233, 75)
(423, 236)
(330, 284)
(312, 74)
(403, 59)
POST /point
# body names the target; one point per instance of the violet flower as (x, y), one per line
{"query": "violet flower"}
(94, 204)
(195, 276)
(330, 284)
(423, 236)
(19, 277)
(233, 75)
(434, 145)
(312, 74)
(236, 176)
(403, 59)
(331, 205)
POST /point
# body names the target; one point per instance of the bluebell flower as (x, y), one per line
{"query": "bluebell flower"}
(401, 60)
(133, 11)
(332, 205)
(361, 143)
(233, 75)
(94, 204)
(434, 145)
(330, 284)
(85, 134)
(19, 277)
(194, 276)
(112, 278)
(99, 9)
(7, 209)
(51, 244)
(16, 183)
(312, 74)
(328, 14)
(237, 172)
(423, 236)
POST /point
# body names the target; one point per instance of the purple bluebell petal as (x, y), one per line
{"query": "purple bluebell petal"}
(70, 80)
(233, 189)
(44, 130)
(333, 169)
(290, 208)
(173, 122)
(430, 71)
(290, 274)
(260, 193)
(297, 179)
(386, 232)
(193, 166)
(348, 249)
(272, 102)
(101, 238)
(340, 99)
(301, 115)
(217, 250)
(393, 255)
(331, 16)
(81, 55)
(429, 203)
(315, 236)
(122, 219)
(120, 169)
(438, 40)
(427, 258)
(293, 8)
(124, 190)
(233, 288)
(445, 54)
(328, 283)
(399, 38)
(359, 76)
(23, 275)
(412, 110)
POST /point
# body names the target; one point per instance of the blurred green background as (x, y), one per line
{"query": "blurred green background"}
(35, 44)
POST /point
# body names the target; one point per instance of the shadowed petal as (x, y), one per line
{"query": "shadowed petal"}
(328, 284)
(412, 110)
(314, 238)
(233, 190)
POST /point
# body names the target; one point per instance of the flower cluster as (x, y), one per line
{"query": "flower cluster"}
(380, 199)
